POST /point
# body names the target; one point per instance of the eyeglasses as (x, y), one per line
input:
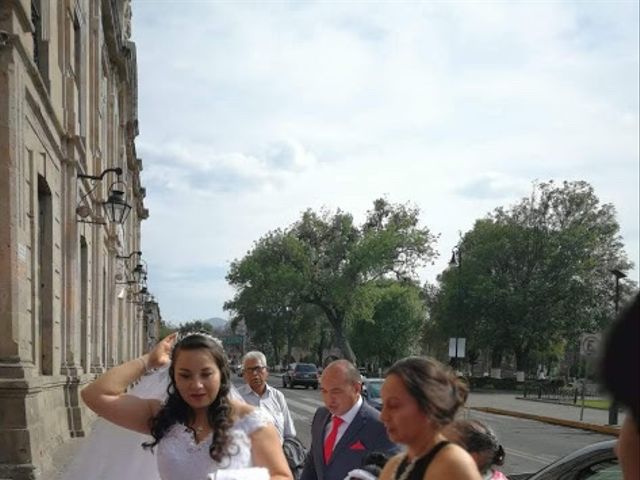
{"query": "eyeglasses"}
(257, 369)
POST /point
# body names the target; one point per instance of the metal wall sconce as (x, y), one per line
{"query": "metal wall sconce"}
(116, 207)
(141, 297)
(139, 273)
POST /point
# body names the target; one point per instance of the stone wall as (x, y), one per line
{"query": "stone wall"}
(68, 93)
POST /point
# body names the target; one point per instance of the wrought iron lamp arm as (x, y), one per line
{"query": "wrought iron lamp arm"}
(116, 170)
(137, 252)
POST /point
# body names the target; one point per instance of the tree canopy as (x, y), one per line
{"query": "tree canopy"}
(326, 260)
(534, 273)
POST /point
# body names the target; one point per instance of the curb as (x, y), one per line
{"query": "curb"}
(606, 429)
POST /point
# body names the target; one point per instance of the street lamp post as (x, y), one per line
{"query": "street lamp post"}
(456, 261)
(613, 408)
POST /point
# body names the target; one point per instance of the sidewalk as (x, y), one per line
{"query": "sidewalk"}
(512, 404)
(564, 415)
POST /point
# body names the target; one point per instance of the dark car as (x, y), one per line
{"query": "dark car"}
(371, 391)
(593, 462)
(305, 374)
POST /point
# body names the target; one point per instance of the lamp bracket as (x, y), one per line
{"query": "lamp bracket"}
(96, 222)
(137, 252)
(116, 170)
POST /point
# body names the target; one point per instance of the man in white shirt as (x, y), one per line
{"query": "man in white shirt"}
(260, 394)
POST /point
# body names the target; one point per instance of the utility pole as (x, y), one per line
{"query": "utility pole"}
(456, 261)
(613, 408)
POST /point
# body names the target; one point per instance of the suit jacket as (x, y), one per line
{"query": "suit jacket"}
(365, 434)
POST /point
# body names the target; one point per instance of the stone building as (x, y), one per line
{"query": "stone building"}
(70, 302)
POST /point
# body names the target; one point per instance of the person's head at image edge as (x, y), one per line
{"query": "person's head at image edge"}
(620, 371)
(480, 441)
(420, 396)
(200, 380)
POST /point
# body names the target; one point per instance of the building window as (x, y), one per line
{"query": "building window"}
(84, 310)
(77, 70)
(103, 346)
(45, 277)
(40, 46)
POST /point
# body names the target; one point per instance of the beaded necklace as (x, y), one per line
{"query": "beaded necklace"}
(407, 471)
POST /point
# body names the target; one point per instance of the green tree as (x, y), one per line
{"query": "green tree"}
(535, 273)
(266, 281)
(392, 331)
(166, 329)
(196, 326)
(325, 260)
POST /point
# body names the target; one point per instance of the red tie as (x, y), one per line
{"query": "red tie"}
(330, 442)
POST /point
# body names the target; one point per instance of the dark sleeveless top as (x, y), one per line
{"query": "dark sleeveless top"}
(422, 464)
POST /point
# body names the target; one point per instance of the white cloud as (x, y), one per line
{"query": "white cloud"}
(251, 113)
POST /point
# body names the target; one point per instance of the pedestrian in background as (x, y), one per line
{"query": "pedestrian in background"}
(621, 376)
(419, 398)
(346, 429)
(260, 394)
(481, 443)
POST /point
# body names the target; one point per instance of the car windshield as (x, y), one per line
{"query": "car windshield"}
(373, 389)
(306, 368)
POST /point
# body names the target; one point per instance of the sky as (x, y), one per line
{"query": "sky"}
(252, 112)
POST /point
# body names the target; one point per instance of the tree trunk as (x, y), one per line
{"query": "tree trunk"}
(522, 357)
(496, 358)
(343, 342)
(336, 319)
(320, 348)
(289, 336)
(276, 353)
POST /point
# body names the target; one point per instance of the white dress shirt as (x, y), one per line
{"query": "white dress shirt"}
(272, 401)
(347, 418)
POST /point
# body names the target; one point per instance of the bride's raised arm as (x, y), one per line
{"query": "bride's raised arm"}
(106, 395)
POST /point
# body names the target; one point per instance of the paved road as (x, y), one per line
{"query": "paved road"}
(530, 445)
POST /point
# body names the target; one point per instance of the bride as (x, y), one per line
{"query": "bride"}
(199, 431)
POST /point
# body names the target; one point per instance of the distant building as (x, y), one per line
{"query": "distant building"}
(69, 307)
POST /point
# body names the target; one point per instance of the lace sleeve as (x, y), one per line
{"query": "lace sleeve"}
(253, 421)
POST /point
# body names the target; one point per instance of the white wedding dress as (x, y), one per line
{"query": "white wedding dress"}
(180, 457)
(114, 453)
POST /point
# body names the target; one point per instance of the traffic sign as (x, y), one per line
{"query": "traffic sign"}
(459, 348)
(589, 343)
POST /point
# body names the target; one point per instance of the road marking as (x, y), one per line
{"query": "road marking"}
(300, 417)
(304, 406)
(528, 456)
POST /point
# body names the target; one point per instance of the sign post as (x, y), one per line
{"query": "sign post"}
(457, 347)
(589, 343)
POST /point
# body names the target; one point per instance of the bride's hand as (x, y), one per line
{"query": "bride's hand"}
(161, 354)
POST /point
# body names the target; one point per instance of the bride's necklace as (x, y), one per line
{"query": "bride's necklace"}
(199, 428)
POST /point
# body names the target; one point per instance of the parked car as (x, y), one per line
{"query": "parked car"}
(593, 462)
(371, 391)
(305, 374)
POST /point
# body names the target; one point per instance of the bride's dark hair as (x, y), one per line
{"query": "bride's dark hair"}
(176, 410)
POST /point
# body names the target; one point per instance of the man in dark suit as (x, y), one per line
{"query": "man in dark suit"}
(346, 429)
